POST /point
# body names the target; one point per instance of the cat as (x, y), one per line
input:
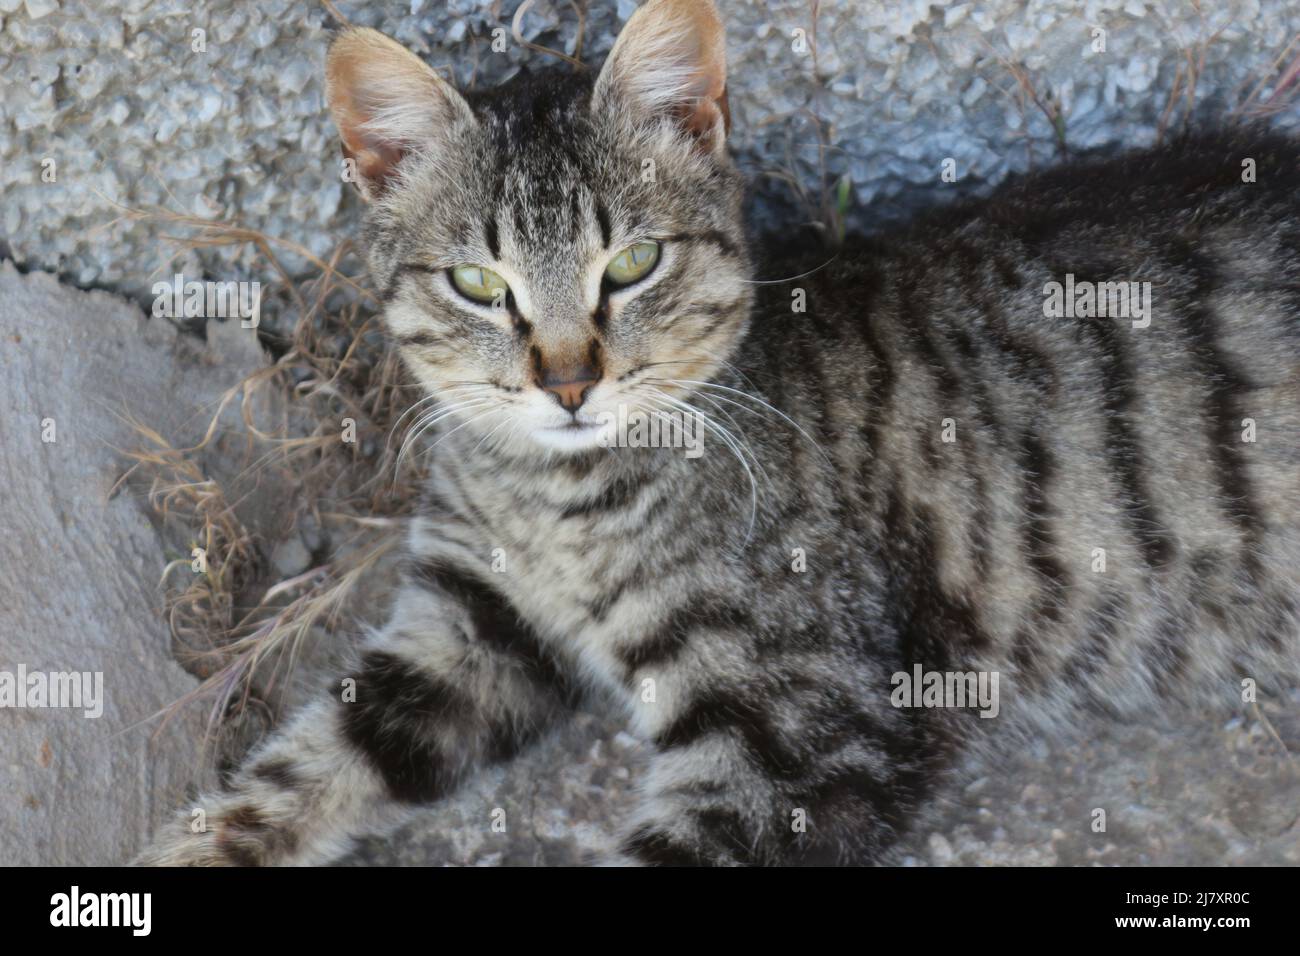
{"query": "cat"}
(963, 449)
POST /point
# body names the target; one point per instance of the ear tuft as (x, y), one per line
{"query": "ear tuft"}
(386, 102)
(671, 60)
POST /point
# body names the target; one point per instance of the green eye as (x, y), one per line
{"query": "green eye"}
(633, 263)
(480, 284)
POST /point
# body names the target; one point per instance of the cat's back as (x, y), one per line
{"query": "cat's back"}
(1068, 415)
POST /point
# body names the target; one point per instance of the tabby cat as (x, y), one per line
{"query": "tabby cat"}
(933, 455)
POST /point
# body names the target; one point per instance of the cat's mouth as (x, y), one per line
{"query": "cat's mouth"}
(574, 435)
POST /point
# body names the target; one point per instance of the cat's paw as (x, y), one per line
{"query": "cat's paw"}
(178, 846)
(228, 838)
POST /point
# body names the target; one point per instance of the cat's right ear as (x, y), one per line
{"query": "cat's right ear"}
(386, 102)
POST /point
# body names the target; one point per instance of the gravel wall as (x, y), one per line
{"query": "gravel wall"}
(132, 106)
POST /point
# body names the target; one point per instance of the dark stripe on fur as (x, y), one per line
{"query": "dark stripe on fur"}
(880, 395)
(1032, 362)
(1119, 396)
(497, 624)
(656, 848)
(392, 723)
(712, 236)
(602, 220)
(246, 838)
(1224, 412)
(670, 638)
(402, 271)
(278, 772)
(600, 608)
(930, 622)
(1037, 466)
(421, 339)
(617, 495)
(720, 710)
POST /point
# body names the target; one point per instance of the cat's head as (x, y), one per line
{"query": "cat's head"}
(560, 246)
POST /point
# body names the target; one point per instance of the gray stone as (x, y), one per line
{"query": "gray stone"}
(80, 588)
(112, 88)
(40, 8)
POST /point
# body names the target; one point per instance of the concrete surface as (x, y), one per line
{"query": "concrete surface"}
(78, 591)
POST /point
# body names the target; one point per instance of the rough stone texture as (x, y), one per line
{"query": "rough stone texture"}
(1202, 790)
(79, 589)
(1197, 789)
(116, 94)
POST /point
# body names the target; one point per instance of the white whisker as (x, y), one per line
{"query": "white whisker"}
(754, 398)
(433, 418)
(733, 444)
(468, 421)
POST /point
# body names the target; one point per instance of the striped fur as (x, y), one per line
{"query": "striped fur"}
(632, 569)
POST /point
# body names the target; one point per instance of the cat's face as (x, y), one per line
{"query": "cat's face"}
(560, 253)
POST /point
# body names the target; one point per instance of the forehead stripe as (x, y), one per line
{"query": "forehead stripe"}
(402, 271)
(602, 219)
(712, 236)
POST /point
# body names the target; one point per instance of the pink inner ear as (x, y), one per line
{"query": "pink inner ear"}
(700, 118)
(375, 164)
(378, 163)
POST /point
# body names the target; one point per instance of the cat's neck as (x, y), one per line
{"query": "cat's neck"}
(520, 472)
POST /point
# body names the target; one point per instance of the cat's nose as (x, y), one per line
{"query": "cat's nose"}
(570, 390)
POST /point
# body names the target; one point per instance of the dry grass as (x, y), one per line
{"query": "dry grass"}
(826, 206)
(1187, 74)
(235, 623)
(517, 32)
(1285, 89)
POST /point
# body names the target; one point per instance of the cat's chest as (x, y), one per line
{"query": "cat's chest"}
(585, 590)
(585, 580)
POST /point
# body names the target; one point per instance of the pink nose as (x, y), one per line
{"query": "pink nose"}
(571, 394)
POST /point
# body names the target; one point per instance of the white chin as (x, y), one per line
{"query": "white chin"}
(571, 439)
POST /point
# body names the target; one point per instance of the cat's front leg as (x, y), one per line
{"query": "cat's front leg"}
(453, 681)
(782, 766)
(297, 800)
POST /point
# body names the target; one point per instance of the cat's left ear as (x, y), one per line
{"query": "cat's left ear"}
(670, 60)
(386, 102)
